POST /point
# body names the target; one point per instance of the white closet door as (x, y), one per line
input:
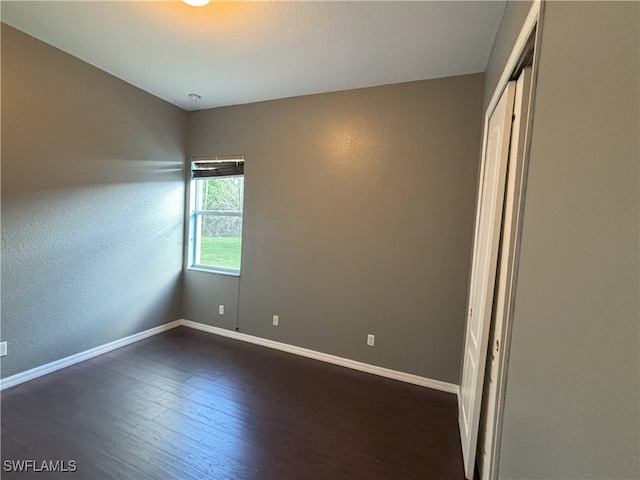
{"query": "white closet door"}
(496, 361)
(483, 272)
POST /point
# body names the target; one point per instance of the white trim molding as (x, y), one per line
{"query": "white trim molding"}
(325, 357)
(530, 23)
(284, 347)
(82, 356)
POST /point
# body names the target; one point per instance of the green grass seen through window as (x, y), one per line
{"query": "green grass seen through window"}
(221, 252)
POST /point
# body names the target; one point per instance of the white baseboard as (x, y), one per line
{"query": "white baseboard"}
(82, 356)
(304, 352)
(325, 357)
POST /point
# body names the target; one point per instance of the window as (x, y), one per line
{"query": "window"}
(215, 213)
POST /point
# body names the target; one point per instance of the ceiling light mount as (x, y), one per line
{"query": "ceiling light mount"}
(194, 97)
(196, 3)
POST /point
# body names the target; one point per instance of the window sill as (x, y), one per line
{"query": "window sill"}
(214, 271)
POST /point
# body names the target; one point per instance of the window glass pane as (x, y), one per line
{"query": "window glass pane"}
(223, 193)
(221, 241)
(219, 235)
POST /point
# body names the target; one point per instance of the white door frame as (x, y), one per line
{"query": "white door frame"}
(531, 23)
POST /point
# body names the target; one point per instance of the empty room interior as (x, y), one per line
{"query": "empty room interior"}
(320, 240)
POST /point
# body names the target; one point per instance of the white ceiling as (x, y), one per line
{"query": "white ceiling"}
(241, 52)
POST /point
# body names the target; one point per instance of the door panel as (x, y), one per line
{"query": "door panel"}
(495, 356)
(483, 271)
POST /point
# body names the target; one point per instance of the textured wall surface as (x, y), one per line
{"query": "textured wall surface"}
(204, 293)
(92, 206)
(572, 394)
(358, 219)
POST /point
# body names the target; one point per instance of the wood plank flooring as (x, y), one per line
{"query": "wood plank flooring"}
(190, 405)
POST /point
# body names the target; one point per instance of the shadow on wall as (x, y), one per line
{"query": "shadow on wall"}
(84, 266)
(92, 205)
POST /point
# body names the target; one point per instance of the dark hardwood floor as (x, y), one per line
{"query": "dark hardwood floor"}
(191, 405)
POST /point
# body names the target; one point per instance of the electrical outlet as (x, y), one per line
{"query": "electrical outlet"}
(276, 320)
(220, 309)
(3, 349)
(371, 340)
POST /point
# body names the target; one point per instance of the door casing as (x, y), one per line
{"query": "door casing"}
(531, 26)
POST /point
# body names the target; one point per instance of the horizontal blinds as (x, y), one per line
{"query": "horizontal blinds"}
(217, 167)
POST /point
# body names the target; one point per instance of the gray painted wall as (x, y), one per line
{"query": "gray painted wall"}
(204, 292)
(92, 205)
(572, 391)
(358, 219)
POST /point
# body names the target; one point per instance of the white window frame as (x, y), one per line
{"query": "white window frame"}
(196, 215)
